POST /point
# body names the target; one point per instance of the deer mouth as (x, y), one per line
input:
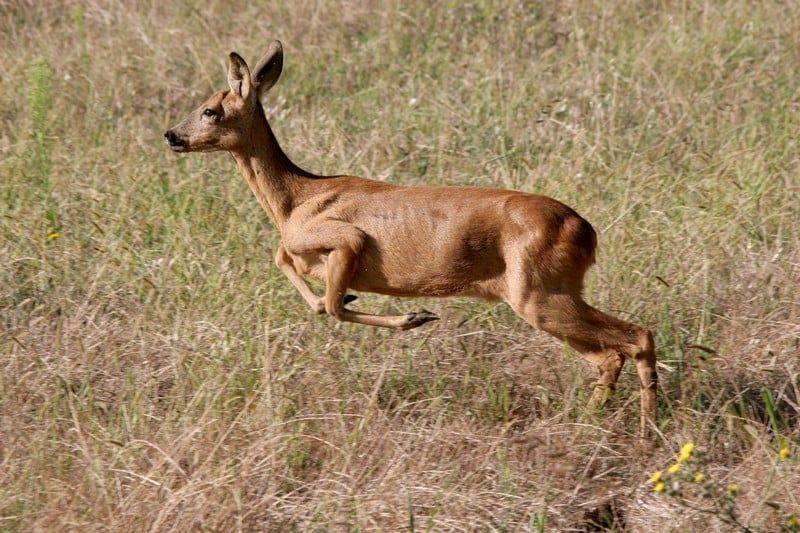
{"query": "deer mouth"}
(175, 143)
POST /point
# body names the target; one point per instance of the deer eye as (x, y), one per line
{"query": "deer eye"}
(209, 112)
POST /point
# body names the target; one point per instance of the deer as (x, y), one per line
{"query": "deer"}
(364, 235)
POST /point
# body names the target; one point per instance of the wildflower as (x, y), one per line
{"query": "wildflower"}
(793, 522)
(699, 477)
(784, 453)
(733, 489)
(686, 452)
(53, 235)
(660, 487)
(674, 469)
(656, 477)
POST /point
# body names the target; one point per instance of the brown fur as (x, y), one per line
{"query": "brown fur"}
(527, 250)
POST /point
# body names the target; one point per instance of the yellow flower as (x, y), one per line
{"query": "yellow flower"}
(53, 235)
(733, 489)
(674, 469)
(686, 452)
(699, 477)
(660, 487)
(656, 477)
(784, 453)
(793, 521)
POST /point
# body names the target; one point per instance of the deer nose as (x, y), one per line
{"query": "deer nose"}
(173, 140)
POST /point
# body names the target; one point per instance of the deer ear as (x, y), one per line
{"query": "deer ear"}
(238, 75)
(268, 70)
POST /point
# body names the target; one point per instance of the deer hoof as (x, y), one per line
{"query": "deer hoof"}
(350, 298)
(415, 320)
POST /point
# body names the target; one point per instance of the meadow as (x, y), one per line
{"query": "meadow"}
(158, 373)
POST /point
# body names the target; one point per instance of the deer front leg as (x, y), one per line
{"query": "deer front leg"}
(340, 268)
(284, 261)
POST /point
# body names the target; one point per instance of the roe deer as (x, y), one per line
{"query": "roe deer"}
(354, 233)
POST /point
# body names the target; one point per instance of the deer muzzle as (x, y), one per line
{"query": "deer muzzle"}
(174, 141)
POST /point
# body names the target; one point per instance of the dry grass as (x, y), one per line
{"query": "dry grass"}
(157, 372)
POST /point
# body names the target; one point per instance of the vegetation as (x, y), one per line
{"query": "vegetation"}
(157, 372)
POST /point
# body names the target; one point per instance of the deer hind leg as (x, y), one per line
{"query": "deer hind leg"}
(609, 363)
(340, 269)
(601, 339)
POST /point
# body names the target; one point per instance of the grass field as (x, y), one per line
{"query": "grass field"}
(157, 372)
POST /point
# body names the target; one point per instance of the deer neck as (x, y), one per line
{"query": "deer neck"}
(278, 184)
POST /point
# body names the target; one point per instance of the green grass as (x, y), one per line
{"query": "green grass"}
(158, 371)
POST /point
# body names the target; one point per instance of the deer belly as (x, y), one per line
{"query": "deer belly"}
(436, 273)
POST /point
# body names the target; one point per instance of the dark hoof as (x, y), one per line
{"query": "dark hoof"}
(350, 298)
(415, 320)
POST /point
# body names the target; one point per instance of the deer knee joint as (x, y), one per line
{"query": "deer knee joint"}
(281, 258)
(646, 361)
(335, 309)
(612, 364)
(646, 344)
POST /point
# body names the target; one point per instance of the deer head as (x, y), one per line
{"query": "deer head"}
(224, 121)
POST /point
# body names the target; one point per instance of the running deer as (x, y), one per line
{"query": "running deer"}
(353, 233)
